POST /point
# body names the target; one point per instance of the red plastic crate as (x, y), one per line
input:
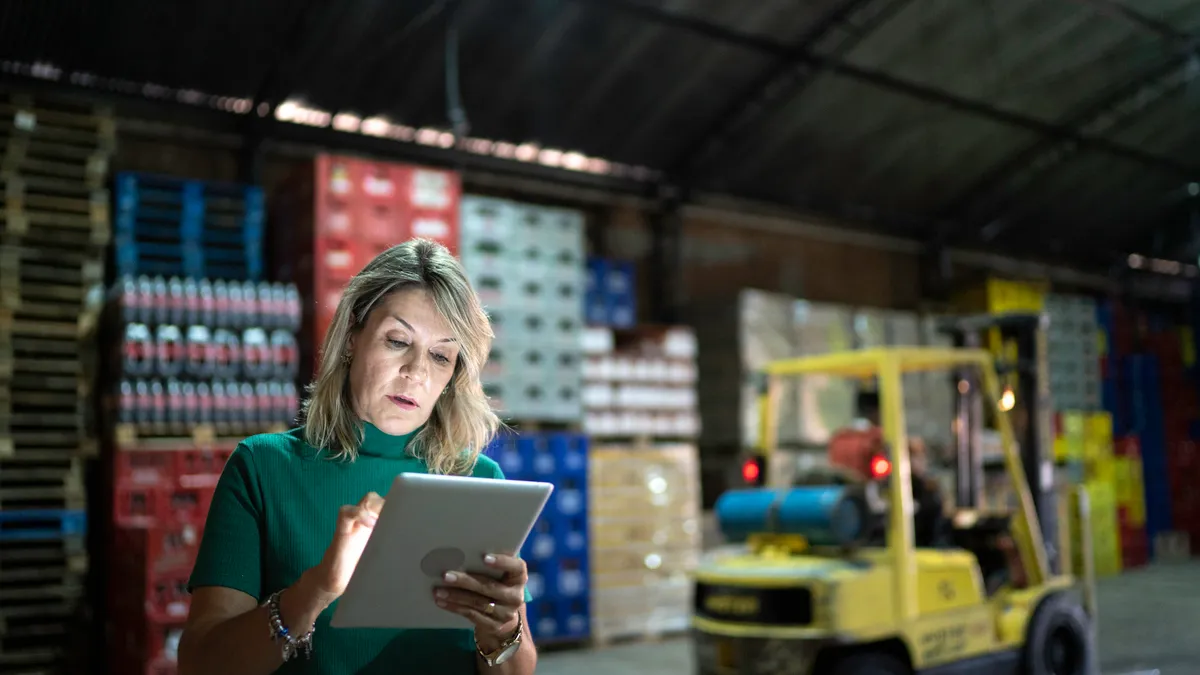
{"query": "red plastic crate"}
(148, 506)
(140, 644)
(167, 468)
(158, 549)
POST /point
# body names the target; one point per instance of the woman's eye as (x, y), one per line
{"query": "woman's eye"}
(397, 344)
(440, 358)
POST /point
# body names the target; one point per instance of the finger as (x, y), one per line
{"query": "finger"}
(350, 517)
(512, 566)
(493, 590)
(372, 502)
(475, 607)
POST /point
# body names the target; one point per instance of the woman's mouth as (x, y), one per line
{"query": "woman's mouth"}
(404, 402)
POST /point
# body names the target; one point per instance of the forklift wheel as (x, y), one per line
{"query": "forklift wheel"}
(1059, 638)
(871, 663)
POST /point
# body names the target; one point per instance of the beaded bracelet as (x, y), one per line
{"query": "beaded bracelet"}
(291, 645)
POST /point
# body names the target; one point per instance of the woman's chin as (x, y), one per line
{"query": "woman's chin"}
(397, 425)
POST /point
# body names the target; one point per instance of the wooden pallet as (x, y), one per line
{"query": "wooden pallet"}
(56, 141)
(35, 638)
(68, 554)
(31, 363)
(55, 212)
(24, 264)
(62, 496)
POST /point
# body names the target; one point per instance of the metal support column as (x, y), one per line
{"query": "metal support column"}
(666, 257)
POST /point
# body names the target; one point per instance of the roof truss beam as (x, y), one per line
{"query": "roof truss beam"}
(885, 81)
(784, 80)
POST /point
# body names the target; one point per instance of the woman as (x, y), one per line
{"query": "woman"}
(397, 390)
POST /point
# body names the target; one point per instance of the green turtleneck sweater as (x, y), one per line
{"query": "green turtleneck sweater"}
(272, 517)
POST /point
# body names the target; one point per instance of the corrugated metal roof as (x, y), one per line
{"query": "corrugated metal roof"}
(978, 121)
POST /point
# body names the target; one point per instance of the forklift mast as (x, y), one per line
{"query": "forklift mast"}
(1032, 393)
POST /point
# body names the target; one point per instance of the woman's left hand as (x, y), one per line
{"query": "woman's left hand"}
(493, 605)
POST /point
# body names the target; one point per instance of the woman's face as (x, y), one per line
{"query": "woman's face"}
(403, 357)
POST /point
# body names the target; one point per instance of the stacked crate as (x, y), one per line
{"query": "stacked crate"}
(1147, 422)
(335, 215)
(196, 364)
(526, 263)
(161, 493)
(195, 376)
(173, 226)
(640, 383)
(53, 229)
(644, 511)
(610, 298)
(557, 550)
(1074, 354)
(1180, 407)
(1131, 503)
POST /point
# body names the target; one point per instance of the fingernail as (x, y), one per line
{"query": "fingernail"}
(450, 577)
(489, 559)
(442, 594)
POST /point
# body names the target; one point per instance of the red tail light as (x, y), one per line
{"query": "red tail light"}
(752, 471)
(880, 467)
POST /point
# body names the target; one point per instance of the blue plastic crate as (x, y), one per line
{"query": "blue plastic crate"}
(542, 543)
(538, 456)
(571, 535)
(570, 453)
(559, 620)
(570, 497)
(505, 451)
(558, 577)
(42, 524)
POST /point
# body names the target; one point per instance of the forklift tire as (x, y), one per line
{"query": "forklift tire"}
(1059, 639)
(871, 663)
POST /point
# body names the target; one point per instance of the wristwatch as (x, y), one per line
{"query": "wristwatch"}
(506, 649)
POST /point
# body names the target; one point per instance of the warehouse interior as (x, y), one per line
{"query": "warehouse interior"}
(702, 230)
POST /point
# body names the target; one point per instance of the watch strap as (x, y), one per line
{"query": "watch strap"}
(492, 657)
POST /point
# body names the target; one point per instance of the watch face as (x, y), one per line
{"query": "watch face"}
(507, 653)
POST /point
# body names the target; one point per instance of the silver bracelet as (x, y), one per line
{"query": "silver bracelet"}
(292, 645)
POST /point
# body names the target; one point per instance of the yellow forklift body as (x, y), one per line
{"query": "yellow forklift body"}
(932, 600)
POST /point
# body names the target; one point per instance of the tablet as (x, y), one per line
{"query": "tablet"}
(430, 525)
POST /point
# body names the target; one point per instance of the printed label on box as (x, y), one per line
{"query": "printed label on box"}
(338, 223)
(430, 189)
(433, 228)
(339, 179)
(337, 259)
(378, 186)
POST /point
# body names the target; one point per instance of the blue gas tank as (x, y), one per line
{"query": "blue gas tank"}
(824, 515)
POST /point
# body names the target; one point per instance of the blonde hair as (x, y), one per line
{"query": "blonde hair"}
(462, 422)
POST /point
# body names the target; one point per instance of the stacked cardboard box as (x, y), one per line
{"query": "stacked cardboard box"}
(526, 263)
(640, 383)
(644, 515)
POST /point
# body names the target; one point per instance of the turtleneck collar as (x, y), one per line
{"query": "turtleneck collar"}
(379, 444)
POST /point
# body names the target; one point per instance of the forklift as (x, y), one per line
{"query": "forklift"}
(828, 578)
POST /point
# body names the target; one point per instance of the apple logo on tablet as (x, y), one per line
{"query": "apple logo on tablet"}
(441, 560)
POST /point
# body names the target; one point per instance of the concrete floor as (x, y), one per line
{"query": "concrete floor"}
(1149, 621)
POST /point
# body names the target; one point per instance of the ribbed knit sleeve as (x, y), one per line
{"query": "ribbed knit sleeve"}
(231, 550)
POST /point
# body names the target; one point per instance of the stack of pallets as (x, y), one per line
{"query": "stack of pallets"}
(53, 229)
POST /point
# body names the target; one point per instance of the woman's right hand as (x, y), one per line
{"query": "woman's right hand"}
(354, 527)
